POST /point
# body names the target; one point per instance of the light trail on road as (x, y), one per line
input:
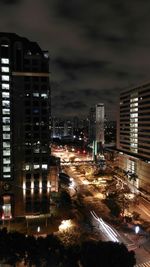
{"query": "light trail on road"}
(112, 235)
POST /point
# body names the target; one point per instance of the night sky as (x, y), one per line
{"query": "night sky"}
(97, 48)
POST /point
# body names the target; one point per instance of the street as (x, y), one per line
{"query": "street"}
(94, 207)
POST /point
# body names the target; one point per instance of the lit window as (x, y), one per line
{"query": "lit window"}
(6, 120)
(6, 151)
(4, 69)
(6, 144)
(44, 95)
(27, 167)
(7, 211)
(36, 166)
(36, 94)
(133, 115)
(6, 128)
(5, 95)
(6, 169)
(6, 160)
(36, 150)
(4, 45)
(6, 136)
(134, 109)
(5, 60)
(6, 103)
(6, 111)
(5, 78)
(46, 55)
(6, 176)
(5, 86)
(44, 166)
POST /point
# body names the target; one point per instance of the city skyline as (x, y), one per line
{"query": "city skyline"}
(96, 50)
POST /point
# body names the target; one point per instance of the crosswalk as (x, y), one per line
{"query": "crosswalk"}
(145, 264)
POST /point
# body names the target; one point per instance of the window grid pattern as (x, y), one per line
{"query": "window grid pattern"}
(134, 122)
(6, 119)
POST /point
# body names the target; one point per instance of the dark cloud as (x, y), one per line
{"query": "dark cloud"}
(76, 105)
(97, 48)
(80, 64)
(9, 2)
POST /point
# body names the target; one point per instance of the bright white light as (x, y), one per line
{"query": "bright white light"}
(137, 229)
(72, 185)
(5, 78)
(4, 60)
(4, 69)
(38, 229)
(32, 185)
(48, 184)
(44, 166)
(85, 182)
(40, 184)
(106, 228)
(5, 86)
(36, 166)
(65, 225)
(24, 185)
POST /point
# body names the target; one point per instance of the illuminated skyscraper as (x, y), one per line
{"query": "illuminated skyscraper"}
(133, 137)
(100, 116)
(24, 133)
(96, 128)
(134, 122)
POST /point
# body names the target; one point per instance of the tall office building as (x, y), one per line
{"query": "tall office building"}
(100, 116)
(96, 129)
(24, 133)
(133, 137)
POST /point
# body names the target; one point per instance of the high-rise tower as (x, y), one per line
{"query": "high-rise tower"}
(24, 133)
(100, 124)
(133, 138)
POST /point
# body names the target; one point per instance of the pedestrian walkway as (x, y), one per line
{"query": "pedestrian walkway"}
(145, 264)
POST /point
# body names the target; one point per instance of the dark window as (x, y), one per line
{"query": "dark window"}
(36, 176)
(28, 175)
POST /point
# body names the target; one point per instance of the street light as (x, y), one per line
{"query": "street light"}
(137, 229)
(38, 229)
(65, 225)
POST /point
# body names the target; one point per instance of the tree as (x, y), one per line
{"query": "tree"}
(65, 199)
(106, 254)
(133, 177)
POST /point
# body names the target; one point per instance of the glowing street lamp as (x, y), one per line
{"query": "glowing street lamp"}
(137, 229)
(65, 225)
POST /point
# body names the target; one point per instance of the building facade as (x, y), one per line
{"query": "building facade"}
(24, 133)
(133, 137)
(100, 116)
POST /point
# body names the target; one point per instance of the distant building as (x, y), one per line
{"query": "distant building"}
(61, 128)
(24, 134)
(110, 128)
(100, 116)
(133, 136)
(96, 121)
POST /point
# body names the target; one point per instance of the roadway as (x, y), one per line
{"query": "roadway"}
(94, 206)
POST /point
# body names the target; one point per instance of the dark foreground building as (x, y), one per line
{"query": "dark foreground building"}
(24, 127)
